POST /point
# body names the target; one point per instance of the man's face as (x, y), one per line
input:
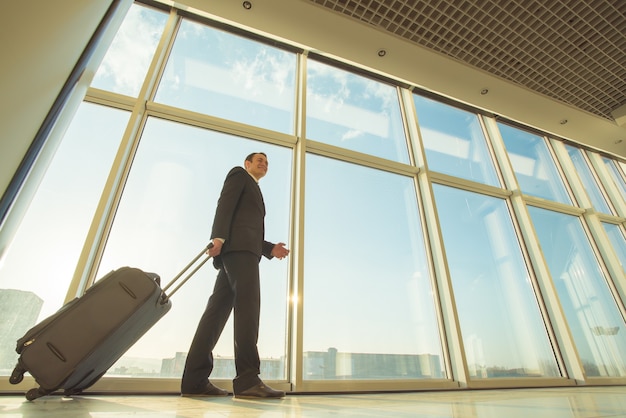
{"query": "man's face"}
(258, 166)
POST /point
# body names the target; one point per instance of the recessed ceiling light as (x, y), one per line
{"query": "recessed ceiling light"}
(563, 121)
(382, 52)
(247, 5)
(484, 91)
(619, 141)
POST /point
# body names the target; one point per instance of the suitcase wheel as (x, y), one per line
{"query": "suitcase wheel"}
(17, 376)
(35, 393)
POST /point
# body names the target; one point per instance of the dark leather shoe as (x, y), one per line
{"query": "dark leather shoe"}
(260, 390)
(209, 390)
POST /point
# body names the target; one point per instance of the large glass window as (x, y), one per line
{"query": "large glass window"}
(354, 112)
(126, 63)
(368, 301)
(454, 141)
(36, 271)
(591, 186)
(165, 218)
(503, 332)
(588, 304)
(534, 167)
(214, 72)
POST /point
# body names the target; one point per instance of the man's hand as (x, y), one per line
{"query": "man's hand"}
(279, 251)
(216, 249)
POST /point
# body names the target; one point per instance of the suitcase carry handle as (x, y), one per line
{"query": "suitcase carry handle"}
(165, 297)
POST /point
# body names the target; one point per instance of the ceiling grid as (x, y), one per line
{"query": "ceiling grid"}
(570, 50)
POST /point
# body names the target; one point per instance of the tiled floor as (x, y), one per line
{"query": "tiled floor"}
(580, 402)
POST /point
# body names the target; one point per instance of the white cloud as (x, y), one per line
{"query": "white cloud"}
(124, 66)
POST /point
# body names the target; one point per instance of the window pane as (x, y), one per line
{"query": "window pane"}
(586, 176)
(454, 142)
(617, 238)
(211, 71)
(619, 181)
(503, 331)
(165, 218)
(368, 300)
(533, 165)
(126, 63)
(587, 302)
(37, 269)
(354, 112)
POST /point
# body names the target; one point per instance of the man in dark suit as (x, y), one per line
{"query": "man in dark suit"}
(238, 244)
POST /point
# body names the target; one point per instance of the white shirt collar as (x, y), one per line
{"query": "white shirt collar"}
(253, 178)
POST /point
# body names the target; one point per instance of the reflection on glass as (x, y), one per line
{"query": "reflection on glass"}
(165, 218)
(220, 74)
(454, 142)
(368, 301)
(591, 186)
(614, 171)
(354, 112)
(618, 240)
(534, 167)
(126, 63)
(503, 331)
(36, 271)
(592, 315)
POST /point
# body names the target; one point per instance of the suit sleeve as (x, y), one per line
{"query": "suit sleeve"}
(267, 249)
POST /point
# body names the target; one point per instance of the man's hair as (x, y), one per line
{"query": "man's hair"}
(251, 156)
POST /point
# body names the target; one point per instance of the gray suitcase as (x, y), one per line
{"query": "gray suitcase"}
(75, 347)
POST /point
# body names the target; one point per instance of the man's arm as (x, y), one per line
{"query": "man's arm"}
(227, 203)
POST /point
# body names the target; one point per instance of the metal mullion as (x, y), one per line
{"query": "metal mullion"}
(447, 316)
(93, 248)
(559, 168)
(565, 348)
(502, 161)
(405, 98)
(552, 205)
(355, 157)
(524, 232)
(217, 124)
(110, 99)
(295, 328)
(490, 148)
(469, 185)
(612, 219)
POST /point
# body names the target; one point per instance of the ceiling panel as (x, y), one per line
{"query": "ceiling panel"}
(572, 51)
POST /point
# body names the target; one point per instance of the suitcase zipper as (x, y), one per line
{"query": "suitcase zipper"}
(56, 352)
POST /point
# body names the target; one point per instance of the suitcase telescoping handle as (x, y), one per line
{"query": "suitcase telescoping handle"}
(184, 270)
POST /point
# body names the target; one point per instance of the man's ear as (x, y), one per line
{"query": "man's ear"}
(246, 164)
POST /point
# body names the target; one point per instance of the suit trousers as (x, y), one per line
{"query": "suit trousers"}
(237, 289)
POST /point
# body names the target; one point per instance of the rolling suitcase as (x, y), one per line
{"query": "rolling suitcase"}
(73, 348)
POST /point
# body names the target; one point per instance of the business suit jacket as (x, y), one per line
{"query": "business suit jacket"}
(240, 216)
